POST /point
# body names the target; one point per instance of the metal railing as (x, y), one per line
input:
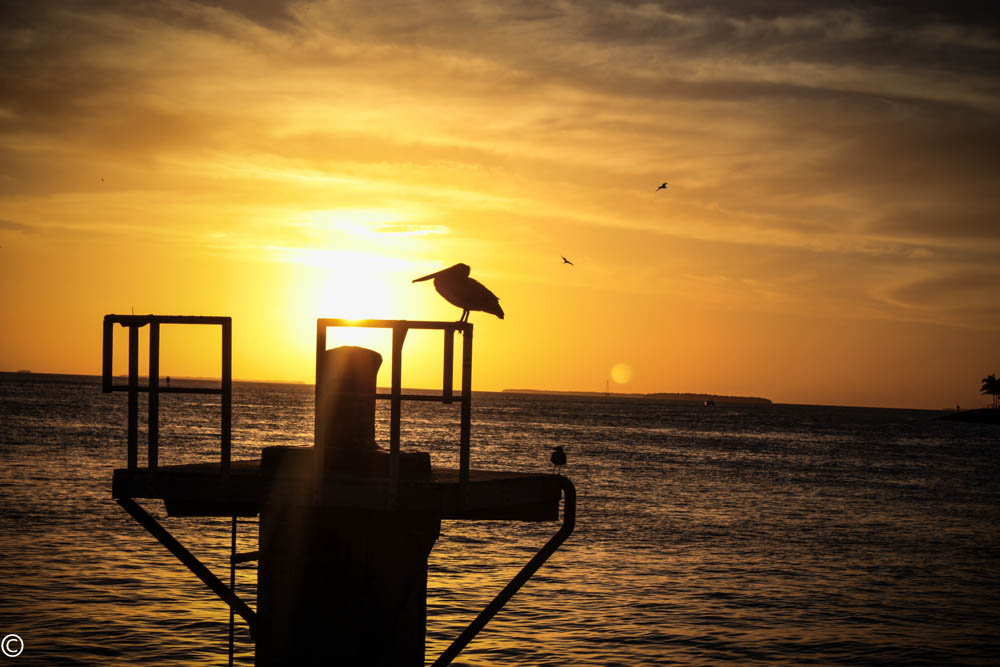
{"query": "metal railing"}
(396, 396)
(136, 322)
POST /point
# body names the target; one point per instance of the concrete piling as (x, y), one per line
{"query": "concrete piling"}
(340, 585)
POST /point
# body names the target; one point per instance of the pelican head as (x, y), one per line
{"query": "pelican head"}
(455, 272)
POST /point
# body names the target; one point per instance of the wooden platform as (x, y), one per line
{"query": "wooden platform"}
(199, 489)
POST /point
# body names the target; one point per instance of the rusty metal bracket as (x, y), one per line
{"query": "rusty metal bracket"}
(501, 599)
(191, 561)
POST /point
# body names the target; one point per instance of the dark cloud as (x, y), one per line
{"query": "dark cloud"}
(272, 14)
(961, 291)
(17, 226)
(972, 220)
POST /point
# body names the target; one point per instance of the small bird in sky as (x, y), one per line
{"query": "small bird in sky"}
(558, 458)
(662, 187)
(458, 289)
(566, 261)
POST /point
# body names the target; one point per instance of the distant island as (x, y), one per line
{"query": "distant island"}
(660, 396)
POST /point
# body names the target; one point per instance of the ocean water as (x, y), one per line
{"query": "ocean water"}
(754, 535)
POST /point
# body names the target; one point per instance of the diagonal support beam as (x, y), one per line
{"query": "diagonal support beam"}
(501, 599)
(191, 561)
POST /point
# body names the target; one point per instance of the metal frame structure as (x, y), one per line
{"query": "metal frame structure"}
(225, 390)
(399, 330)
(396, 396)
(519, 579)
(136, 322)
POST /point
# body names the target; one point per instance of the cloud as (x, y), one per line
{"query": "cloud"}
(844, 137)
(18, 227)
(962, 295)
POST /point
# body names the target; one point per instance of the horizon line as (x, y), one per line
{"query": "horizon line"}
(742, 400)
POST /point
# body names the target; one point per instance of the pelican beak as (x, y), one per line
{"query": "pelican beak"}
(428, 277)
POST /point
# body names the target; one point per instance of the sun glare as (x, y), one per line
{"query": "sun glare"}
(362, 223)
(351, 285)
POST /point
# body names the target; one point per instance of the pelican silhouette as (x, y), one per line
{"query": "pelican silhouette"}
(566, 261)
(662, 187)
(458, 289)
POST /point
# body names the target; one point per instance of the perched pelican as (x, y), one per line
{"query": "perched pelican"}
(662, 187)
(566, 261)
(558, 457)
(455, 285)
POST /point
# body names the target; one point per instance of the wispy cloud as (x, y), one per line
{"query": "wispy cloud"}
(17, 226)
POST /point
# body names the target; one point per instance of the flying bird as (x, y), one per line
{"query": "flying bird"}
(458, 289)
(662, 187)
(558, 458)
(566, 261)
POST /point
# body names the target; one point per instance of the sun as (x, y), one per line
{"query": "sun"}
(345, 283)
(355, 289)
(621, 373)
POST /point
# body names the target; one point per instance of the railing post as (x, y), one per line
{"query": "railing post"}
(320, 349)
(153, 431)
(133, 396)
(449, 359)
(107, 354)
(227, 395)
(464, 462)
(395, 404)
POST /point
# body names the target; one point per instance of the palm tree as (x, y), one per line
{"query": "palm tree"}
(991, 385)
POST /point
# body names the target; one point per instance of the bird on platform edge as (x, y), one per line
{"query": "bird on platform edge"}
(558, 458)
(458, 289)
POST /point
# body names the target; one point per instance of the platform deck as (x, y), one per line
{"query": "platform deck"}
(199, 489)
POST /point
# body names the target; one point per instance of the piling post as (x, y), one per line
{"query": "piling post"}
(339, 585)
(227, 396)
(133, 396)
(153, 422)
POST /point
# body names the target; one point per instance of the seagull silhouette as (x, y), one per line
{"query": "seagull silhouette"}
(566, 261)
(558, 458)
(662, 187)
(458, 289)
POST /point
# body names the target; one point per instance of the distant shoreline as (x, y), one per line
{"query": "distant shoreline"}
(142, 377)
(658, 396)
(977, 416)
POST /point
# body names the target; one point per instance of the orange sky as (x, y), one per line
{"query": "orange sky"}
(830, 233)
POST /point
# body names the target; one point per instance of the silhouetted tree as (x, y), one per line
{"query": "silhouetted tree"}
(991, 385)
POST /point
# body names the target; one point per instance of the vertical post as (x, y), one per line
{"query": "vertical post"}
(398, 336)
(108, 340)
(133, 396)
(153, 424)
(227, 395)
(449, 359)
(232, 587)
(320, 345)
(320, 349)
(463, 464)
